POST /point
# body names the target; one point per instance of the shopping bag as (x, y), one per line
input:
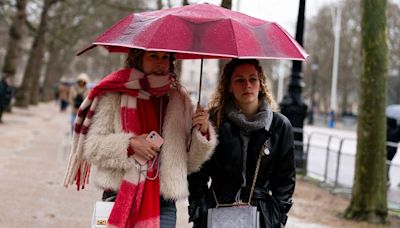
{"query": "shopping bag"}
(101, 212)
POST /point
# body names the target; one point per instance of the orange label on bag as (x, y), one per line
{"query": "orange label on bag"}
(101, 222)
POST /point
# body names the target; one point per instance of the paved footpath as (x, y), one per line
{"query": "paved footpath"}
(34, 148)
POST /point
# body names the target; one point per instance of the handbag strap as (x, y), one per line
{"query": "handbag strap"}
(252, 185)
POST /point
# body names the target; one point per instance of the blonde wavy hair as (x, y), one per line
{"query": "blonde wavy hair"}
(218, 102)
(135, 60)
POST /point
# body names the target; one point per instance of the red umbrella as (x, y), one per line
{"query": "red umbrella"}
(201, 31)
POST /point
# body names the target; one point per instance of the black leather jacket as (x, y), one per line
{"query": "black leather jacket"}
(276, 179)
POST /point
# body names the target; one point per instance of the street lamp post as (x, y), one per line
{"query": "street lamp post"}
(314, 71)
(292, 105)
(336, 19)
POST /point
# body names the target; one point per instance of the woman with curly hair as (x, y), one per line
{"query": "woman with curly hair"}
(111, 133)
(248, 131)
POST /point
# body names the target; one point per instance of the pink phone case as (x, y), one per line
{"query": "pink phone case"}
(154, 138)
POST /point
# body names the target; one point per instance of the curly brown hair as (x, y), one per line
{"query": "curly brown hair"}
(217, 104)
(135, 60)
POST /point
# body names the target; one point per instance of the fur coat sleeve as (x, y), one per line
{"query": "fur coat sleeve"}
(184, 149)
(106, 144)
(201, 148)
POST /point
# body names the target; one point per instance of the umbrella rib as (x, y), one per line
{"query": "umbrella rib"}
(299, 47)
(225, 13)
(154, 31)
(234, 37)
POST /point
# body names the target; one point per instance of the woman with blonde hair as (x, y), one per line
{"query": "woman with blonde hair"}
(77, 94)
(250, 134)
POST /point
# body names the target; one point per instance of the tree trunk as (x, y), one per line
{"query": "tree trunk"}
(29, 90)
(369, 198)
(397, 99)
(16, 35)
(51, 75)
(40, 51)
(226, 4)
(159, 4)
(59, 60)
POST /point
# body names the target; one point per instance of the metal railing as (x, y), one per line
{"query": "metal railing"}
(329, 149)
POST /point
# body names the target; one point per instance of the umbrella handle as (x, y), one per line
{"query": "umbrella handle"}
(201, 77)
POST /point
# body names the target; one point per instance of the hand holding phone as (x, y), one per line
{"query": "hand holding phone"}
(155, 139)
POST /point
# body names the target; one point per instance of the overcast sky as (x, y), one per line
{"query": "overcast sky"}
(284, 12)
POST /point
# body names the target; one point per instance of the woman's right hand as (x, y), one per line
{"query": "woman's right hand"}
(143, 147)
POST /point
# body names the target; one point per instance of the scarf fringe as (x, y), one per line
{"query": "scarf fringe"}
(78, 169)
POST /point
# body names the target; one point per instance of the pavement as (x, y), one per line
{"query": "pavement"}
(34, 150)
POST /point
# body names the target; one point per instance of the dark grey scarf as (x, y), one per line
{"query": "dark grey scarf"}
(262, 119)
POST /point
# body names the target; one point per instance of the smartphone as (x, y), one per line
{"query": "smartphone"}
(154, 138)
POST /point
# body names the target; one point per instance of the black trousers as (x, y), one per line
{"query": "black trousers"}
(393, 135)
(1, 113)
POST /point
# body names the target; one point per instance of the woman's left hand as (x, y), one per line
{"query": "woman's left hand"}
(200, 120)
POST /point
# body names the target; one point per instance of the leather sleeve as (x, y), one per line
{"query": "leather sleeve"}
(198, 188)
(283, 175)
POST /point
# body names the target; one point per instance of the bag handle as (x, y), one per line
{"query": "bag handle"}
(252, 186)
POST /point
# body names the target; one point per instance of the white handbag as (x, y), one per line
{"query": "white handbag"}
(101, 213)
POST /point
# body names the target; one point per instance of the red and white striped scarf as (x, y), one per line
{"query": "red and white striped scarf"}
(137, 203)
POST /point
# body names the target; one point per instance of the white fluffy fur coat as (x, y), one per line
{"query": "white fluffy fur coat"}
(106, 145)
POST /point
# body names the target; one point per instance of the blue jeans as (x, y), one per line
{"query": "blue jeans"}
(167, 213)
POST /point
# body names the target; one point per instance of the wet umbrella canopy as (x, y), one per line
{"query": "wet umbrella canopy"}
(201, 31)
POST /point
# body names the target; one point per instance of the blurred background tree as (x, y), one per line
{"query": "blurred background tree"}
(28, 93)
(319, 43)
(14, 18)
